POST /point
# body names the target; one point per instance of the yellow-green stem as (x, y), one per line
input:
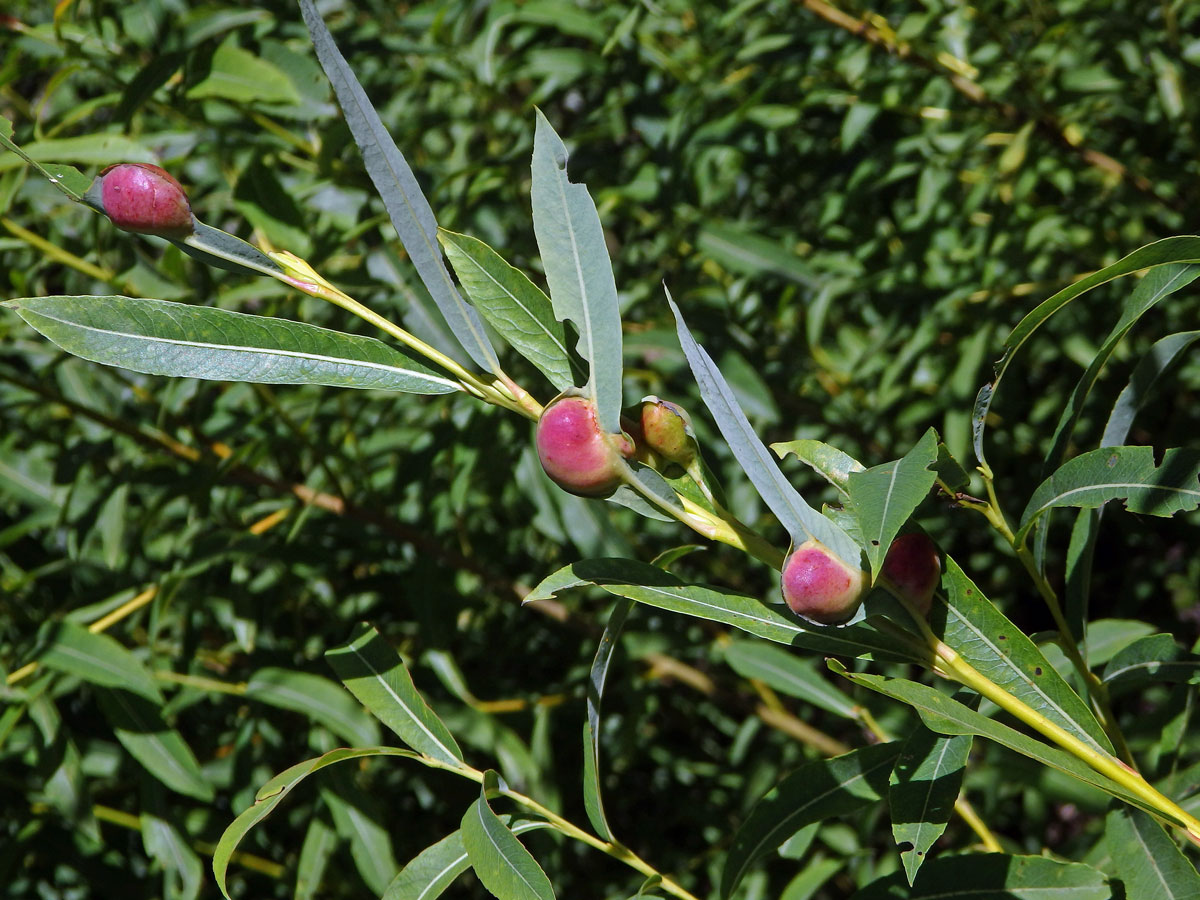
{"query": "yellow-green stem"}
(611, 848)
(1095, 688)
(297, 273)
(246, 860)
(946, 662)
(726, 530)
(103, 623)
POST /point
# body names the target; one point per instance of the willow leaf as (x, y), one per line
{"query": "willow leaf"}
(1120, 473)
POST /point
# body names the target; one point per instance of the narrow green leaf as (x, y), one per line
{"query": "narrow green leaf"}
(85, 150)
(183, 872)
(1141, 386)
(826, 460)
(1142, 382)
(1169, 250)
(320, 840)
(96, 658)
(504, 866)
(1156, 658)
(814, 792)
(512, 304)
(358, 820)
(1147, 860)
(994, 876)
(402, 197)
(947, 716)
(592, 800)
(1158, 284)
(159, 337)
(271, 795)
(431, 871)
(159, 748)
(578, 270)
(1120, 473)
(652, 586)
(241, 77)
(883, 497)
(222, 250)
(319, 698)
(789, 674)
(377, 676)
(70, 181)
(434, 869)
(922, 789)
(971, 624)
(799, 519)
(752, 254)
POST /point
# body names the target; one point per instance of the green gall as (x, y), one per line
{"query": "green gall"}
(666, 429)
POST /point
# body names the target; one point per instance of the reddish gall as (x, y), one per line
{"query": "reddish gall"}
(145, 199)
(576, 453)
(819, 586)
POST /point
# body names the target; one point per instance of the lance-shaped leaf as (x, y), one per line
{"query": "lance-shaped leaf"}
(320, 840)
(922, 789)
(97, 658)
(579, 272)
(1146, 859)
(159, 337)
(1120, 473)
(360, 819)
(140, 728)
(377, 676)
(946, 715)
(799, 519)
(1142, 381)
(652, 586)
(322, 700)
(883, 497)
(1141, 386)
(1169, 250)
(433, 869)
(790, 674)
(504, 866)
(402, 197)
(222, 250)
(512, 304)
(994, 876)
(271, 794)
(183, 873)
(67, 179)
(813, 793)
(1158, 284)
(983, 636)
(593, 801)
(1151, 659)
(827, 461)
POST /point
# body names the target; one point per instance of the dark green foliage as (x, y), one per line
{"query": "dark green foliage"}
(851, 231)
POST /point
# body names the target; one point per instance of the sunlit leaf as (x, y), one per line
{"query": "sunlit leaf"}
(578, 270)
(160, 337)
